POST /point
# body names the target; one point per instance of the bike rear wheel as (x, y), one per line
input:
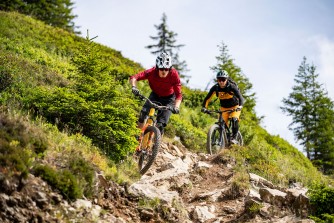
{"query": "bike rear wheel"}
(213, 144)
(149, 149)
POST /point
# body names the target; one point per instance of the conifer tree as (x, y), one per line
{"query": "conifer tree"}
(324, 136)
(12, 5)
(56, 13)
(166, 42)
(312, 117)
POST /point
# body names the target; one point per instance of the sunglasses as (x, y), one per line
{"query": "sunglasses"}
(164, 69)
(221, 79)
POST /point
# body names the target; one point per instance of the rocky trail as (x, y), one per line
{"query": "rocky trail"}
(180, 187)
(201, 188)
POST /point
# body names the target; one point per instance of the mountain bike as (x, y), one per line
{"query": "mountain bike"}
(219, 135)
(150, 139)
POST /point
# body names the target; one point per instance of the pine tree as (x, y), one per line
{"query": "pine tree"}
(312, 117)
(224, 62)
(56, 13)
(324, 135)
(167, 43)
(12, 5)
(299, 105)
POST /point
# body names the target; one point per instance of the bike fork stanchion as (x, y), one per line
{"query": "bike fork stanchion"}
(221, 137)
(149, 140)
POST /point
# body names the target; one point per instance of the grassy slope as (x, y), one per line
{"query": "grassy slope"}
(33, 54)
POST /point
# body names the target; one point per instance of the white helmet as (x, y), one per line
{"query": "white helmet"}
(164, 61)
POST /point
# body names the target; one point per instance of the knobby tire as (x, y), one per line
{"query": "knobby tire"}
(147, 159)
(213, 138)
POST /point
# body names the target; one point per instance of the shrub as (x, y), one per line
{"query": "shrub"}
(64, 181)
(193, 98)
(190, 136)
(84, 173)
(322, 200)
(20, 142)
(93, 104)
(5, 79)
(14, 160)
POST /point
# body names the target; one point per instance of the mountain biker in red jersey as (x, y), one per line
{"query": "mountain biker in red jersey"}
(230, 98)
(165, 84)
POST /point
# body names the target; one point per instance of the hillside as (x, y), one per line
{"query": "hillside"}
(181, 187)
(67, 115)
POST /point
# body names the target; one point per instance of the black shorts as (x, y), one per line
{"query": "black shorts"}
(163, 115)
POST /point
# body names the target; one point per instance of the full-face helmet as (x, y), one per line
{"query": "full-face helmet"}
(164, 61)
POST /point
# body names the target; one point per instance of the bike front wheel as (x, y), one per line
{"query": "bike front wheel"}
(215, 139)
(149, 149)
(240, 139)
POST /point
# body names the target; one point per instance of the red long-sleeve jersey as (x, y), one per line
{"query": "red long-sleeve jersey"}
(163, 87)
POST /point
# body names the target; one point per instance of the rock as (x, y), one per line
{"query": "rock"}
(151, 192)
(301, 206)
(258, 181)
(202, 214)
(82, 204)
(146, 214)
(273, 196)
(229, 210)
(253, 194)
(209, 196)
(41, 199)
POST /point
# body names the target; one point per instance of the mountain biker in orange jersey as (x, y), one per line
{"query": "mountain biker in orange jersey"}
(165, 84)
(230, 98)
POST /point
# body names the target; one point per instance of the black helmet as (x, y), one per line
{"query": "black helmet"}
(222, 73)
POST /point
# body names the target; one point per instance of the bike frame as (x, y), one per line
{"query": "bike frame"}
(150, 121)
(225, 130)
(150, 138)
(219, 134)
(221, 125)
(146, 141)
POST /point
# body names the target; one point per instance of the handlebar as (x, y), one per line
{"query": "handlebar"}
(219, 111)
(152, 104)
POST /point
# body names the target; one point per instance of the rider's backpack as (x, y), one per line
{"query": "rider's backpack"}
(233, 82)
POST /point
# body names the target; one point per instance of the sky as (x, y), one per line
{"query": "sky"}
(266, 38)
